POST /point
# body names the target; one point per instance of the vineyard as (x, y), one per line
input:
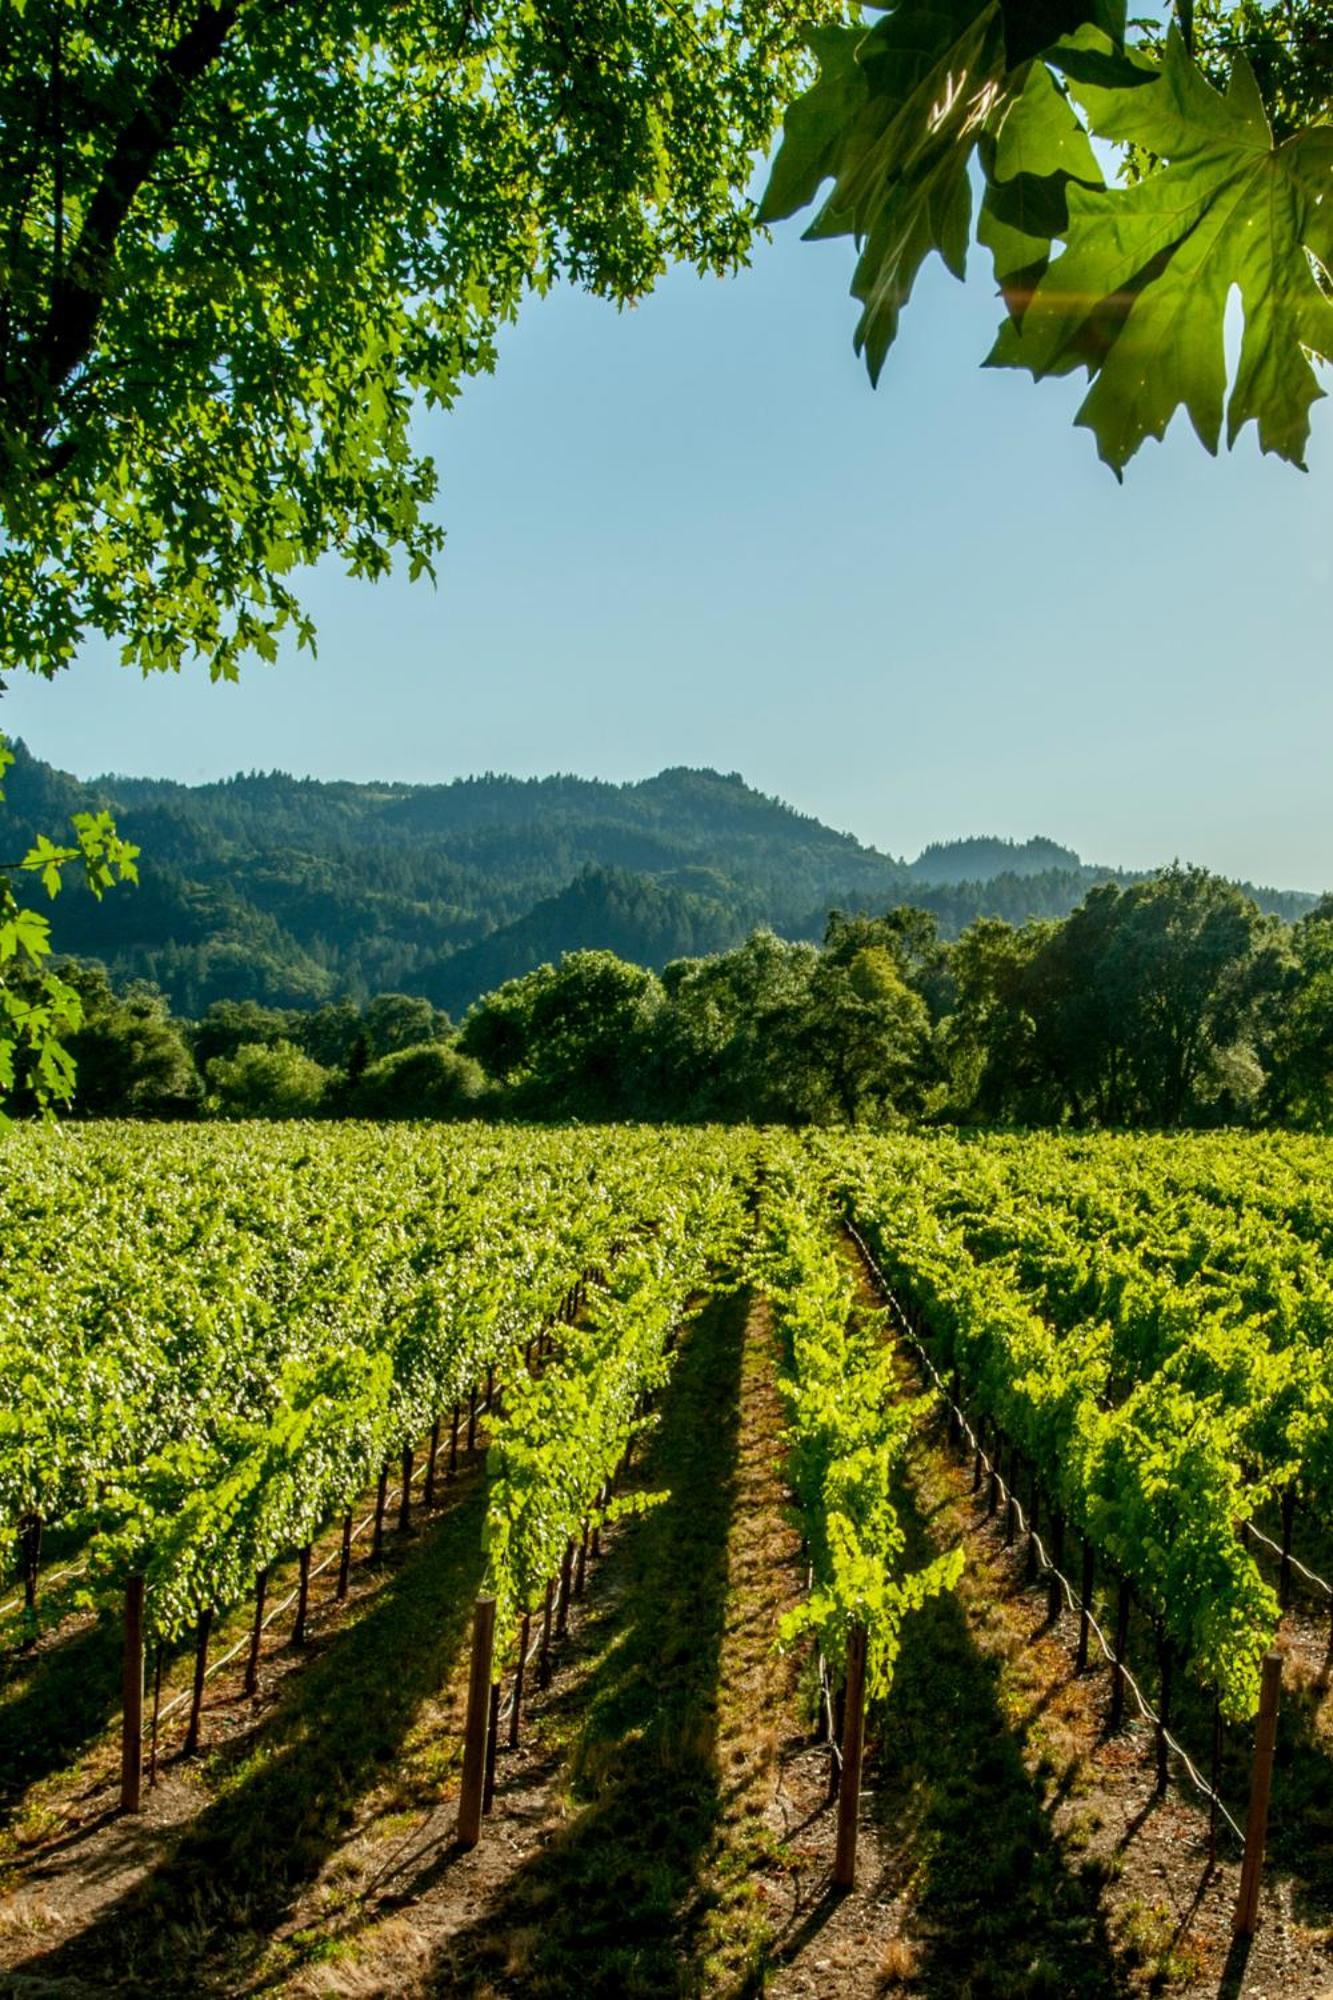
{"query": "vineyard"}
(634, 1561)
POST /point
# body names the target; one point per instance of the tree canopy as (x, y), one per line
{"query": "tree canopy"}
(245, 240)
(1222, 129)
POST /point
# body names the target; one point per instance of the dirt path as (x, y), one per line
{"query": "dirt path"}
(662, 1828)
(1030, 1851)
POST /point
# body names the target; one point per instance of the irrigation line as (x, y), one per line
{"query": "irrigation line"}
(46, 1582)
(507, 1708)
(1146, 1711)
(1258, 1535)
(225, 1659)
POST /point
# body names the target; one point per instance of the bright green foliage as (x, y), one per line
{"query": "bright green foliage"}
(38, 1009)
(895, 118)
(848, 1434)
(244, 242)
(566, 1429)
(1216, 203)
(1152, 1322)
(209, 1343)
(1139, 293)
(275, 1081)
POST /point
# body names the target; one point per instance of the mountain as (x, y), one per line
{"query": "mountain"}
(984, 860)
(293, 890)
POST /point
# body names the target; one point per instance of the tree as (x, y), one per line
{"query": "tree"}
(1222, 126)
(39, 1009)
(723, 1044)
(130, 1057)
(1301, 1047)
(566, 1040)
(245, 241)
(395, 1021)
(864, 1036)
(268, 1081)
(422, 1082)
(1148, 1005)
(231, 1025)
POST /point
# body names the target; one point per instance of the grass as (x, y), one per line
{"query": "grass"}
(204, 1918)
(619, 1903)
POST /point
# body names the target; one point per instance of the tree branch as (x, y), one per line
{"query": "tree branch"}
(79, 293)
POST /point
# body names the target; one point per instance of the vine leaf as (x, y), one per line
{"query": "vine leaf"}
(1138, 296)
(894, 119)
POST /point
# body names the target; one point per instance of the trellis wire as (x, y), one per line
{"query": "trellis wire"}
(1048, 1567)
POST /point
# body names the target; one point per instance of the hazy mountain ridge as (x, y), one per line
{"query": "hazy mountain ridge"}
(294, 890)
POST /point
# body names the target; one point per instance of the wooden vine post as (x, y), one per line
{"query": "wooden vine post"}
(1246, 1919)
(1118, 1680)
(251, 1683)
(475, 1741)
(853, 1743)
(405, 1498)
(131, 1729)
(1085, 1608)
(524, 1641)
(202, 1631)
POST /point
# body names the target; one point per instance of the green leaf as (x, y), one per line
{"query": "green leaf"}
(1030, 161)
(1139, 294)
(894, 119)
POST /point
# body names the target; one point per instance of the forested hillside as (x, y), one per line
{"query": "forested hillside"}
(293, 891)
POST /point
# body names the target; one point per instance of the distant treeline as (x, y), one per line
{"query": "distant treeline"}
(292, 892)
(1170, 1002)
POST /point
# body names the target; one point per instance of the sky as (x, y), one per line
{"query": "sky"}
(692, 534)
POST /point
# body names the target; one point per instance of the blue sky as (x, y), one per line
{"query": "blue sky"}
(692, 533)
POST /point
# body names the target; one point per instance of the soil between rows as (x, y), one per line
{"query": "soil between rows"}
(662, 1828)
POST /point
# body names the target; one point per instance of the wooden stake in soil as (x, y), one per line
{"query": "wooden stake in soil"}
(581, 1567)
(428, 1493)
(1246, 1919)
(131, 1728)
(1119, 1683)
(381, 1500)
(302, 1596)
(1055, 1589)
(544, 1657)
(1085, 1609)
(251, 1681)
(345, 1558)
(200, 1675)
(478, 1719)
(524, 1640)
(853, 1742)
(472, 1420)
(405, 1499)
(453, 1442)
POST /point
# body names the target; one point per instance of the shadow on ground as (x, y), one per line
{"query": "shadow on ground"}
(54, 1705)
(998, 1907)
(202, 1918)
(615, 1905)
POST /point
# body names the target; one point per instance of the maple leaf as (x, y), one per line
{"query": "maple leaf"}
(894, 119)
(1139, 294)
